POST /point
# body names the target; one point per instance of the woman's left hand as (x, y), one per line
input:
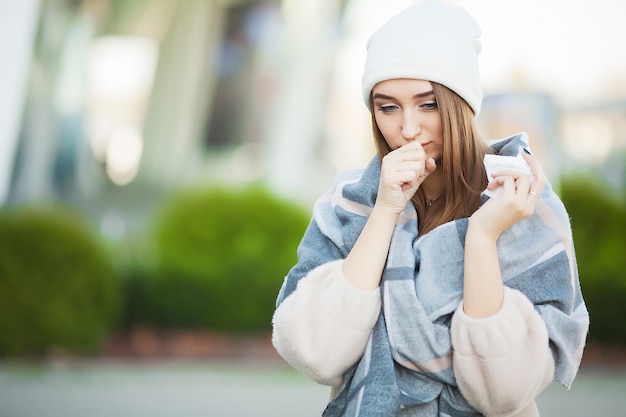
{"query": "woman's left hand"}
(516, 202)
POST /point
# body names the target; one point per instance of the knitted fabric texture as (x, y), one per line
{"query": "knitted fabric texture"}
(422, 286)
(431, 41)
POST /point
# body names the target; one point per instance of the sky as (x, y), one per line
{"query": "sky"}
(575, 49)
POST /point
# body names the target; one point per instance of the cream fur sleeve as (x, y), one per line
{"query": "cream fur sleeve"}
(322, 328)
(502, 362)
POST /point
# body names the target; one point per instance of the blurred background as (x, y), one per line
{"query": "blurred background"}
(159, 160)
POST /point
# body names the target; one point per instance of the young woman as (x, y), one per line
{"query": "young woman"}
(425, 287)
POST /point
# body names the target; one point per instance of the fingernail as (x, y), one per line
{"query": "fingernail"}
(527, 151)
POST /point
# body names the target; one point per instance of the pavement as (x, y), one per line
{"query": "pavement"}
(225, 388)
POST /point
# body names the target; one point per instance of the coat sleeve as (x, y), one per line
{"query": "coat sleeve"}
(504, 361)
(322, 328)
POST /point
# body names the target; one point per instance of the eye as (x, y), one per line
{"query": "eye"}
(429, 105)
(387, 108)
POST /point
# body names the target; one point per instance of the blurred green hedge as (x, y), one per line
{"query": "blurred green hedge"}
(58, 288)
(219, 260)
(598, 218)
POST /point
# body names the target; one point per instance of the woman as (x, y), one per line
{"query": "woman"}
(424, 287)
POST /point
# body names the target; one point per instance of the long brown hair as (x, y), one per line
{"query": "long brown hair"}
(464, 176)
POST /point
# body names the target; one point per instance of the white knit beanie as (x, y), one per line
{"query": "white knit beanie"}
(431, 40)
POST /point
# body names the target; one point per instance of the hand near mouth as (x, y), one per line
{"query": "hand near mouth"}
(403, 170)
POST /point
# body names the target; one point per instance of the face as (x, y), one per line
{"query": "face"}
(405, 110)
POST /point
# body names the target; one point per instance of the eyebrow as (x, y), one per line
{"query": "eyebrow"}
(419, 95)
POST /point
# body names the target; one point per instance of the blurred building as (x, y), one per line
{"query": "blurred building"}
(595, 137)
(115, 103)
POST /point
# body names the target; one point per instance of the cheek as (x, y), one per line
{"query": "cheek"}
(435, 127)
(386, 127)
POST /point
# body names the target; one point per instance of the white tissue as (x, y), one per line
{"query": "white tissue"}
(497, 163)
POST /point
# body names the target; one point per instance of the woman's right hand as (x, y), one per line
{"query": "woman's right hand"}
(402, 172)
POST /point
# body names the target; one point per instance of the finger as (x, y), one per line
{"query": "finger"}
(499, 179)
(493, 184)
(524, 192)
(412, 146)
(431, 165)
(508, 185)
(413, 155)
(399, 178)
(404, 177)
(397, 159)
(509, 173)
(522, 184)
(535, 167)
(417, 167)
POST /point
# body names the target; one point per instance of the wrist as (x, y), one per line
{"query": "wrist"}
(480, 235)
(383, 212)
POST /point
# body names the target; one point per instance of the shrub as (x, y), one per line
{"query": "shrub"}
(599, 227)
(58, 289)
(221, 256)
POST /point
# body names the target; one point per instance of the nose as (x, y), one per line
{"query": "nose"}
(411, 125)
